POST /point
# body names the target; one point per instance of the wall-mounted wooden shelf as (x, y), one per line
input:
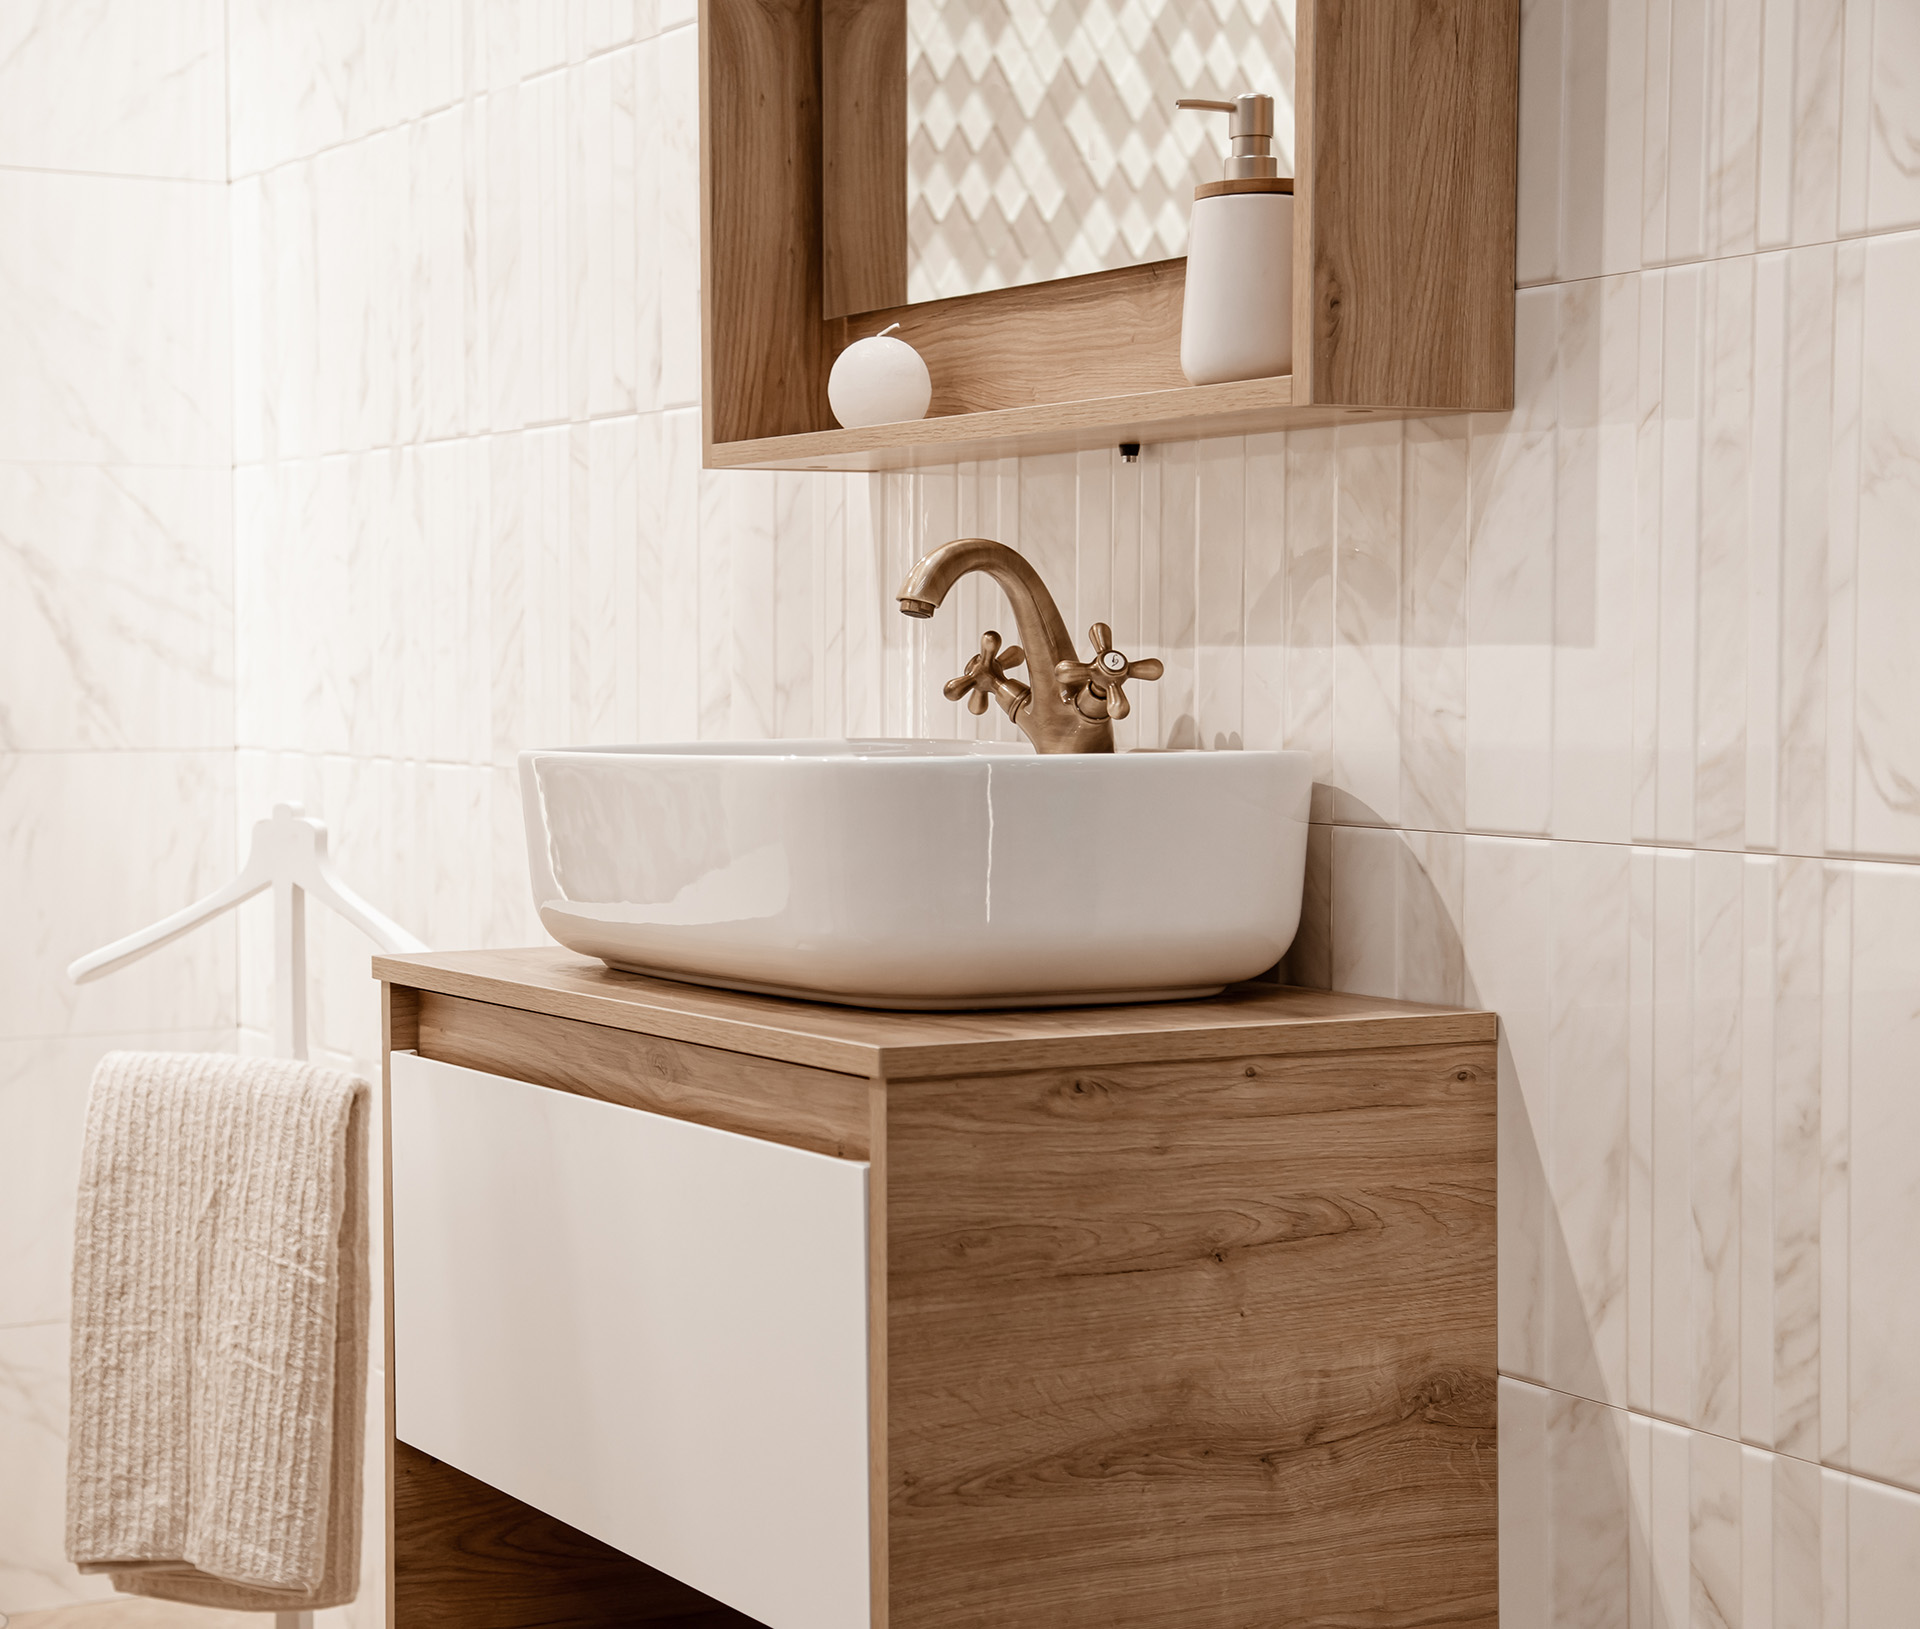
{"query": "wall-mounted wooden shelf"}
(1186, 413)
(1404, 206)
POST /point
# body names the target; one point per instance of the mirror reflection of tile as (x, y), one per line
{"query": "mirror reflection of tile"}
(1042, 139)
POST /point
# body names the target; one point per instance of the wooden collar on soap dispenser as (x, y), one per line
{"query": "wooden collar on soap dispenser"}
(1248, 183)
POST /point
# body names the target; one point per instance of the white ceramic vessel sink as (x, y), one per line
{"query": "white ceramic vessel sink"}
(921, 874)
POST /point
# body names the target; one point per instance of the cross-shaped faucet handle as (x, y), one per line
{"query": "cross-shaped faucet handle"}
(986, 675)
(1097, 687)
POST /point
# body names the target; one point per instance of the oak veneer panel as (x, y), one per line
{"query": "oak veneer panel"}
(1110, 333)
(1204, 1344)
(467, 1556)
(863, 141)
(764, 358)
(780, 1102)
(1406, 115)
(903, 1046)
(400, 1030)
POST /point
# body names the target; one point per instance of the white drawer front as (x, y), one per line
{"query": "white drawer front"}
(653, 1330)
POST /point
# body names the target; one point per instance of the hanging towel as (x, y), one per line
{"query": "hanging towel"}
(220, 1331)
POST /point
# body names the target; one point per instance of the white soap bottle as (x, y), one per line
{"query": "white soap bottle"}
(1238, 319)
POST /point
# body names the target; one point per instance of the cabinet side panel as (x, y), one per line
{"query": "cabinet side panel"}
(863, 89)
(1410, 202)
(1207, 1344)
(765, 354)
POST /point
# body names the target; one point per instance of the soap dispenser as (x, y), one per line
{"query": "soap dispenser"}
(1238, 319)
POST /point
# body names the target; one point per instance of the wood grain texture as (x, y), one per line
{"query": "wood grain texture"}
(1189, 413)
(1206, 1345)
(1277, 1019)
(779, 1102)
(863, 107)
(1110, 333)
(1406, 169)
(467, 1556)
(764, 360)
(878, 1526)
(399, 1031)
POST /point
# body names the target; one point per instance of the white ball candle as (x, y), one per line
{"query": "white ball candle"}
(879, 381)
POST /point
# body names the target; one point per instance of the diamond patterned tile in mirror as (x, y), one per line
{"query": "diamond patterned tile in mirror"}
(1042, 139)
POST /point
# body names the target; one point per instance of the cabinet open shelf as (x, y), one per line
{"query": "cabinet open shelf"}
(1404, 205)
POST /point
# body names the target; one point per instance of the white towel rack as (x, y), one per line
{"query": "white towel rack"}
(289, 855)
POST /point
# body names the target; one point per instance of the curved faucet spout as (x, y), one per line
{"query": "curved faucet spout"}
(1050, 717)
(1042, 629)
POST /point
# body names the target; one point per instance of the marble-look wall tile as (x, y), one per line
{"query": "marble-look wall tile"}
(310, 77)
(34, 1571)
(119, 623)
(1703, 1139)
(1657, 132)
(113, 320)
(96, 845)
(119, 87)
(1510, 601)
(524, 257)
(1893, 163)
(1611, 1519)
(1593, 558)
(1883, 1174)
(1886, 798)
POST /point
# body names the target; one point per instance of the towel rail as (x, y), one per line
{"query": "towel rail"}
(289, 856)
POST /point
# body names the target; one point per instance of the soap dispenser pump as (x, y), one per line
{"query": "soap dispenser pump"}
(1237, 322)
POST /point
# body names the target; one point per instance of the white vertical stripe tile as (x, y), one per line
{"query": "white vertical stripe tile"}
(1368, 528)
(1893, 162)
(1510, 592)
(1715, 1178)
(1758, 1041)
(1589, 958)
(1714, 1550)
(1433, 634)
(1882, 1210)
(1887, 564)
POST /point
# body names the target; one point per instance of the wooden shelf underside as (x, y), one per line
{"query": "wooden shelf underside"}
(1190, 413)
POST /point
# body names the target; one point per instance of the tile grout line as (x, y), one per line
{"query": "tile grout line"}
(1718, 1436)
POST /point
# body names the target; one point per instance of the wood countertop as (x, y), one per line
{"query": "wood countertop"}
(878, 1044)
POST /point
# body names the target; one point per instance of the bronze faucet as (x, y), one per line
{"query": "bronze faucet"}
(1071, 704)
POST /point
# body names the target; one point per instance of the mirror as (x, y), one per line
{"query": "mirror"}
(1042, 139)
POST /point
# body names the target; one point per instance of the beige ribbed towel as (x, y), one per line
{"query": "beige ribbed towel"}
(220, 1331)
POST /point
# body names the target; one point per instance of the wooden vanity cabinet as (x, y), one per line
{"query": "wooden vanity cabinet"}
(1089, 1318)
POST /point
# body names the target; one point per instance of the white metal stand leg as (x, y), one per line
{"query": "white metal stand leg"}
(289, 970)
